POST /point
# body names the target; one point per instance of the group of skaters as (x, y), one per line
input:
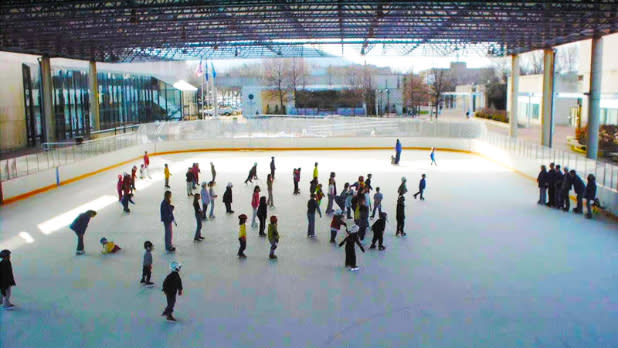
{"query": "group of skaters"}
(555, 186)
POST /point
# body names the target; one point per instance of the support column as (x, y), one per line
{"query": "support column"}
(594, 97)
(93, 96)
(47, 96)
(548, 98)
(514, 94)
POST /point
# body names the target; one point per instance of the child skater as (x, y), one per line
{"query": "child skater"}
(205, 195)
(350, 248)
(377, 203)
(296, 177)
(172, 285)
(197, 237)
(378, 232)
(126, 199)
(242, 235)
(269, 186)
(255, 203)
(432, 155)
(421, 188)
(167, 174)
(252, 174)
(401, 216)
(335, 225)
(262, 212)
(147, 264)
(213, 195)
(273, 236)
(109, 247)
(119, 187)
(133, 177)
(319, 194)
(141, 171)
(7, 280)
(227, 198)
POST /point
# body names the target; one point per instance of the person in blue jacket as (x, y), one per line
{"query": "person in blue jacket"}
(590, 194)
(79, 226)
(167, 217)
(579, 187)
(397, 151)
(421, 188)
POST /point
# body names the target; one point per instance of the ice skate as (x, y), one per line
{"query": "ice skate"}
(272, 256)
(142, 281)
(9, 307)
(170, 317)
(149, 284)
(354, 269)
(80, 252)
(372, 247)
(381, 247)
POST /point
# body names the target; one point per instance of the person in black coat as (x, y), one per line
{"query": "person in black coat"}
(261, 214)
(252, 174)
(541, 180)
(6, 279)
(565, 188)
(579, 187)
(312, 206)
(590, 194)
(79, 226)
(551, 182)
(172, 285)
(378, 232)
(350, 248)
(227, 198)
(272, 167)
(401, 216)
(363, 217)
(558, 187)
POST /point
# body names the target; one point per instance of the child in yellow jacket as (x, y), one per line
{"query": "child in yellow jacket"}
(242, 235)
(273, 236)
(109, 247)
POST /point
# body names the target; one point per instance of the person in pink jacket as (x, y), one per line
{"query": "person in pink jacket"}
(255, 202)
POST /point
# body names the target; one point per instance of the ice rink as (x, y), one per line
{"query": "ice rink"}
(482, 266)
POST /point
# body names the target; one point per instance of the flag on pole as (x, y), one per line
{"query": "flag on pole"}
(199, 70)
(206, 74)
(214, 73)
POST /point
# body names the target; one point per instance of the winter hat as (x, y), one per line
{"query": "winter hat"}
(383, 215)
(103, 240)
(175, 266)
(273, 219)
(403, 178)
(147, 244)
(4, 253)
(119, 176)
(354, 229)
(242, 217)
(229, 184)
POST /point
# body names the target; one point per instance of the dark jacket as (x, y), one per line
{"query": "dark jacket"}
(578, 185)
(190, 176)
(262, 210)
(172, 283)
(363, 219)
(6, 275)
(368, 184)
(350, 240)
(559, 178)
(402, 190)
(421, 185)
(379, 226)
(312, 205)
(80, 223)
(591, 190)
(566, 184)
(401, 213)
(167, 212)
(196, 207)
(227, 195)
(542, 178)
(272, 165)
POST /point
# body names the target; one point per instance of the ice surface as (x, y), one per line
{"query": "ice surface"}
(482, 266)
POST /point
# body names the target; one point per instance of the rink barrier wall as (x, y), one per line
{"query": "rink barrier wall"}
(24, 187)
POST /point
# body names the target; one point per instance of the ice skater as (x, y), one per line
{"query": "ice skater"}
(542, 183)
(196, 174)
(272, 167)
(146, 164)
(335, 225)
(315, 171)
(348, 194)
(7, 280)
(296, 177)
(167, 217)
(368, 182)
(133, 177)
(167, 174)
(377, 202)
(227, 198)
(350, 241)
(269, 188)
(402, 190)
(262, 212)
(197, 209)
(363, 217)
(590, 194)
(313, 184)
(213, 196)
(108, 246)
(332, 193)
(79, 226)
(579, 187)
(205, 196)
(273, 236)
(565, 188)
(189, 180)
(147, 264)
(319, 194)
(213, 172)
(312, 206)
(141, 172)
(397, 157)
(252, 174)
(401, 216)
(255, 203)
(126, 199)
(378, 232)
(119, 187)
(421, 188)
(432, 155)
(172, 285)
(242, 235)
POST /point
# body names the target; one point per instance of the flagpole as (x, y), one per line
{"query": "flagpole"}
(214, 90)
(203, 106)
(205, 77)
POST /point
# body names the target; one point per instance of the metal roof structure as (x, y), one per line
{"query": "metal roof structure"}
(131, 30)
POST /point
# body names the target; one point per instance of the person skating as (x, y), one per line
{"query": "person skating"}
(402, 190)
(312, 206)
(363, 217)
(368, 182)
(272, 167)
(590, 193)
(142, 171)
(167, 218)
(269, 189)
(367, 198)
(255, 203)
(348, 194)
(315, 171)
(377, 203)
(397, 152)
(126, 184)
(319, 194)
(350, 241)
(252, 174)
(541, 180)
(109, 247)
(197, 237)
(126, 199)
(7, 280)
(551, 182)
(335, 225)
(213, 196)
(189, 180)
(172, 285)
(401, 216)
(119, 187)
(332, 193)
(421, 188)
(296, 177)
(262, 212)
(196, 174)
(146, 164)
(558, 187)
(579, 187)
(565, 189)
(79, 226)
(432, 155)
(147, 264)
(213, 172)
(167, 174)
(205, 196)
(133, 177)
(227, 198)
(312, 185)
(273, 236)
(242, 235)
(378, 232)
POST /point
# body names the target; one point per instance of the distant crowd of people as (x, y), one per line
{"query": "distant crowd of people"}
(556, 184)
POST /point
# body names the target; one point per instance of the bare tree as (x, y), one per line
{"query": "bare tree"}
(567, 58)
(440, 81)
(532, 63)
(415, 92)
(276, 74)
(298, 72)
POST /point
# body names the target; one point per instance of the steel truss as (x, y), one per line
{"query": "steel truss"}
(179, 29)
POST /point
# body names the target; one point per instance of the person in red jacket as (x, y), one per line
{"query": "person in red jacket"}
(335, 225)
(255, 203)
(133, 177)
(119, 187)
(146, 163)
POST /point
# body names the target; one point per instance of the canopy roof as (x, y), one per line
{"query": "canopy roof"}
(184, 29)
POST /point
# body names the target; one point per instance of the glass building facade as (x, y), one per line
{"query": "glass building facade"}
(124, 99)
